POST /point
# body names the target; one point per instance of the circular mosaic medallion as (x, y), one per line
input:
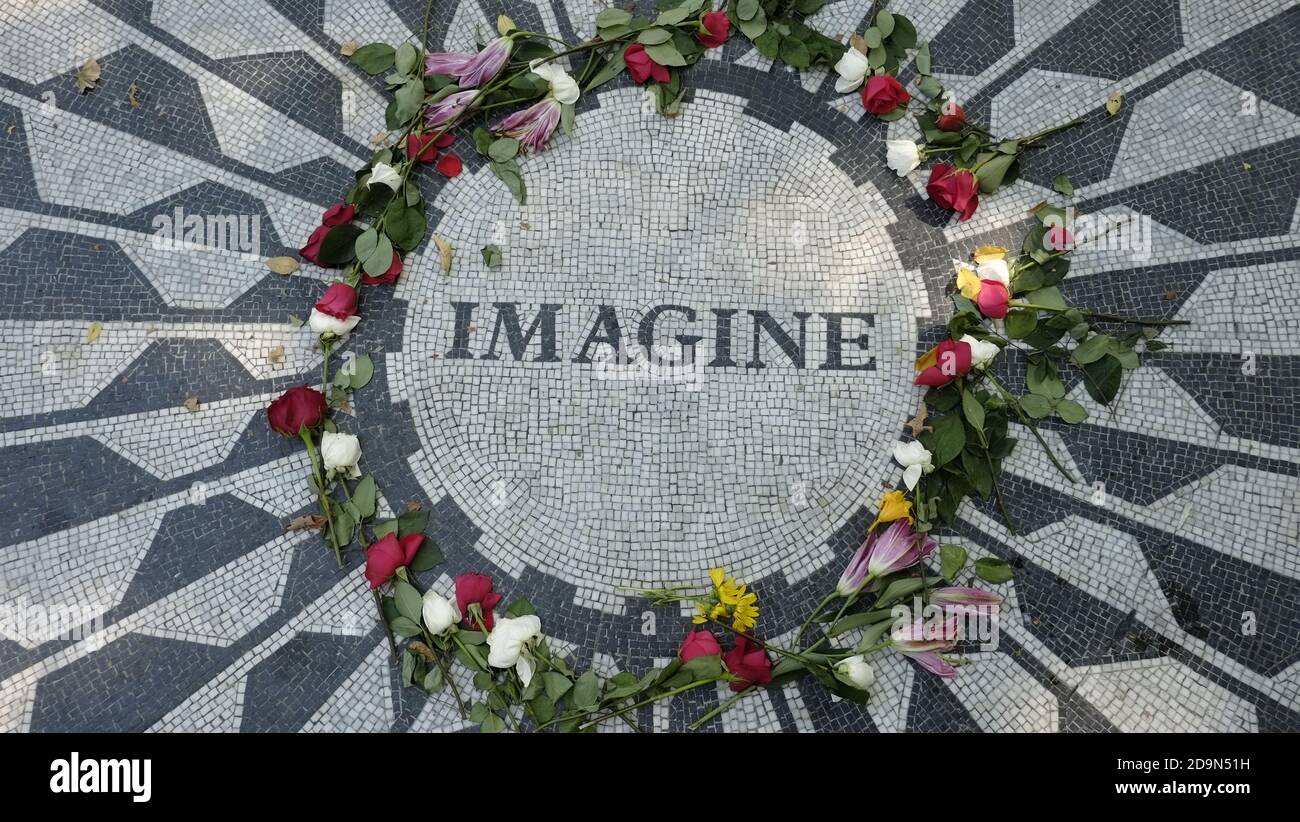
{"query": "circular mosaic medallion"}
(698, 329)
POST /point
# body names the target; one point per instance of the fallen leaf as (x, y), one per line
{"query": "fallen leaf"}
(445, 252)
(11, 129)
(94, 331)
(295, 321)
(276, 355)
(380, 137)
(858, 43)
(413, 505)
(88, 75)
(307, 522)
(418, 647)
(1171, 294)
(1114, 103)
(344, 407)
(1246, 166)
(283, 266)
(133, 95)
(917, 423)
(192, 405)
(348, 47)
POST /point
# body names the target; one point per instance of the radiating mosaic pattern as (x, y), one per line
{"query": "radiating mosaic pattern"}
(147, 576)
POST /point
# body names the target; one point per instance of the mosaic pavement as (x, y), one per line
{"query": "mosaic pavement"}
(1161, 593)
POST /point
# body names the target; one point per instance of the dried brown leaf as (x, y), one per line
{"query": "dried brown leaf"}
(413, 505)
(917, 423)
(191, 404)
(295, 321)
(348, 47)
(276, 355)
(445, 252)
(88, 75)
(92, 333)
(283, 266)
(1114, 103)
(133, 95)
(312, 522)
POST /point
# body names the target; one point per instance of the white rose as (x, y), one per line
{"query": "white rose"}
(852, 70)
(994, 270)
(916, 459)
(903, 156)
(856, 671)
(439, 613)
(384, 174)
(563, 88)
(323, 323)
(981, 352)
(507, 642)
(340, 453)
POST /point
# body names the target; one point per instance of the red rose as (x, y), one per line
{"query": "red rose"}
(476, 589)
(994, 299)
(882, 94)
(296, 409)
(311, 251)
(445, 139)
(952, 119)
(698, 643)
(642, 67)
(951, 359)
(339, 300)
(338, 214)
(450, 165)
(389, 276)
(749, 662)
(423, 148)
(716, 28)
(386, 555)
(954, 189)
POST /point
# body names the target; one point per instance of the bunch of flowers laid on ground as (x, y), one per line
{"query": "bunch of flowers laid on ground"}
(891, 597)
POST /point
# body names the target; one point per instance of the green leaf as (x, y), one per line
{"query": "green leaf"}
(952, 558)
(898, 589)
(492, 724)
(1071, 412)
(1021, 323)
(482, 140)
(1036, 405)
(704, 667)
(885, 22)
(611, 69)
(404, 225)
(556, 685)
(972, 410)
(769, 44)
(854, 621)
(1043, 379)
(1092, 349)
(747, 9)
(374, 58)
(339, 244)
(364, 495)
(406, 103)
(1102, 378)
(653, 37)
(433, 681)
(992, 172)
(520, 607)
(406, 59)
(427, 557)
(873, 38)
(991, 569)
(409, 602)
(795, 53)
(412, 522)
(665, 54)
(923, 59)
(586, 691)
(363, 370)
(491, 255)
(930, 87)
(509, 174)
(404, 627)
(755, 26)
(1050, 297)
(1062, 184)
(612, 17)
(947, 439)
(378, 259)
(503, 149)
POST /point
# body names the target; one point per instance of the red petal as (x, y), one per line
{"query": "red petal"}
(450, 165)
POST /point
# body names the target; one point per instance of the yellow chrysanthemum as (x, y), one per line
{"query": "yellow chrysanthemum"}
(745, 615)
(893, 506)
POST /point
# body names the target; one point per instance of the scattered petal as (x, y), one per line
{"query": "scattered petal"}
(450, 165)
(94, 331)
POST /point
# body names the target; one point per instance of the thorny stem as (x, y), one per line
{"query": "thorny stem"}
(1015, 404)
(1115, 318)
(321, 496)
(721, 707)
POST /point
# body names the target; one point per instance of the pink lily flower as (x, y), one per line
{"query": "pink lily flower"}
(449, 108)
(532, 126)
(923, 643)
(898, 547)
(471, 70)
(855, 573)
(960, 595)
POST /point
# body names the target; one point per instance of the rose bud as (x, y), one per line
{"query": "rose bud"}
(698, 643)
(944, 363)
(952, 119)
(296, 409)
(749, 663)
(714, 29)
(882, 94)
(389, 553)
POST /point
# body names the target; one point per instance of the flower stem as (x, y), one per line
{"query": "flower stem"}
(812, 615)
(1047, 132)
(1024, 418)
(383, 620)
(611, 714)
(321, 496)
(721, 707)
(1115, 318)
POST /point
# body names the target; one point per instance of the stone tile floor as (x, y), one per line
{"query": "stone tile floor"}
(1160, 593)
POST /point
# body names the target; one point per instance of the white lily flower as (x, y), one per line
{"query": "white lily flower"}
(507, 644)
(916, 459)
(563, 87)
(340, 453)
(852, 70)
(323, 323)
(903, 156)
(982, 352)
(995, 270)
(384, 174)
